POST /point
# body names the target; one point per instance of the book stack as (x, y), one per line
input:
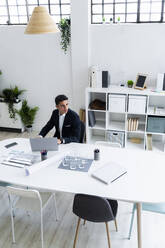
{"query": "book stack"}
(132, 124)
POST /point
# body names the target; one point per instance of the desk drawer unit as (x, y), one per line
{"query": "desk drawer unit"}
(117, 103)
(137, 104)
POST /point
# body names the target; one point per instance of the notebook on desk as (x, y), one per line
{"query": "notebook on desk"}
(109, 172)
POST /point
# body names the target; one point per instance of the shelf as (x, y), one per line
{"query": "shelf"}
(97, 110)
(96, 138)
(116, 125)
(131, 145)
(124, 113)
(130, 113)
(156, 114)
(157, 146)
(138, 131)
(155, 133)
(99, 125)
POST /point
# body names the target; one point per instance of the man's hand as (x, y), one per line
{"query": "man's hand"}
(58, 141)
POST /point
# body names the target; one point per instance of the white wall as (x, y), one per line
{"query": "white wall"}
(128, 49)
(35, 63)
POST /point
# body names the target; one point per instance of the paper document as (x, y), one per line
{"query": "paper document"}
(109, 172)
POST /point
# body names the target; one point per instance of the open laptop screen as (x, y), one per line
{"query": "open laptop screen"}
(40, 144)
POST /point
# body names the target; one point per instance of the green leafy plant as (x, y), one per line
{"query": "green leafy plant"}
(65, 28)
(10, 97)
(27, 114)
(0, 72)
(118, 19)
(103, 19)
(130, 83)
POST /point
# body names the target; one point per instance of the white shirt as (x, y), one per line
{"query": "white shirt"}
(61, 121)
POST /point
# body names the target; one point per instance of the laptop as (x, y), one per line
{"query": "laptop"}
(40, 144)
(109, 172)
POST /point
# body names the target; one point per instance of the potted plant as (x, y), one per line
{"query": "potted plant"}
(27, 115)
(130, 83)
(103, 20)
(0, 72)
(11, 96)
(65, 29)
(118, 19)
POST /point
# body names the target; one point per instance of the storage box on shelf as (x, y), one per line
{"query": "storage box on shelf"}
(128, 111)
(7, 123)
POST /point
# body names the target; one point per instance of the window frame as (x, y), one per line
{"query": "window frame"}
(138, 12)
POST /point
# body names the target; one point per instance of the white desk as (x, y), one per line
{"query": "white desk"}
(144, 181)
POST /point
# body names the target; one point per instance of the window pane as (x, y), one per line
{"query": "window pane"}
(14, 19)
(108, 17)
(22, 10)
(131, 7)
(120, 8)
(32, 2)
(145, 7)
(119, 1)
(97, 18)
(65, 1)
(3, 11)
(54, 1)
(155, 17)
(21, 2)
(97, 1)
(156, 7)
(3, 2)
(65, 9)
(3, 19)
(108, 1)
(12, 2)
(23, 19)
(55, 9)
(144, 17)
(131, 18)
(56, 19)
(108, 8)
(97, 9)
(122, 18)
(43, 1)
(13, 10)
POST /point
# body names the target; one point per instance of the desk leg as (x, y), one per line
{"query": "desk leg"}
(139, 224)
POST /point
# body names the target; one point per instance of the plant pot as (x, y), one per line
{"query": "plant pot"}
(130, 86)
(28, 128)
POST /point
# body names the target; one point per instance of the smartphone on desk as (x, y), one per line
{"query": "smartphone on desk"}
(11, 144)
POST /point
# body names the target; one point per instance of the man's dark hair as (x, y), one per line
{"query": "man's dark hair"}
(60, 98)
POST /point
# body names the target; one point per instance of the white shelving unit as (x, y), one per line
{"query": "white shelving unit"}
(150, 103)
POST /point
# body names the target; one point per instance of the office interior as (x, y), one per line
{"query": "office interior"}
(37, 64)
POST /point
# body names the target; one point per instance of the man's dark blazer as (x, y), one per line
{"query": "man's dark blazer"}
(71, 127)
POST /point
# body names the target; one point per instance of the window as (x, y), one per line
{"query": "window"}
(20, 11)
(127, 11)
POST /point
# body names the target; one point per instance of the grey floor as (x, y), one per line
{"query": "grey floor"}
(61, 234)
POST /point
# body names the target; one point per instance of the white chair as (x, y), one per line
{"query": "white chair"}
(106, 143)
(29, 200)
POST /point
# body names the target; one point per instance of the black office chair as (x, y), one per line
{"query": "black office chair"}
(82, 132)
(95, 209)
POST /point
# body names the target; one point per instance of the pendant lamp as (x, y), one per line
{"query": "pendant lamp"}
(41, 22)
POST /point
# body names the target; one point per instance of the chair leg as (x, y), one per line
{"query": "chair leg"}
(55, 207)
(84, 222)
(75, 239)
(131, 225)
(108, 235)
(42, 239)
(12, 219)
(116, 225)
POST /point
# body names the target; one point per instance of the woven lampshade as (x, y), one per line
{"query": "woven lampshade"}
(41, 22)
